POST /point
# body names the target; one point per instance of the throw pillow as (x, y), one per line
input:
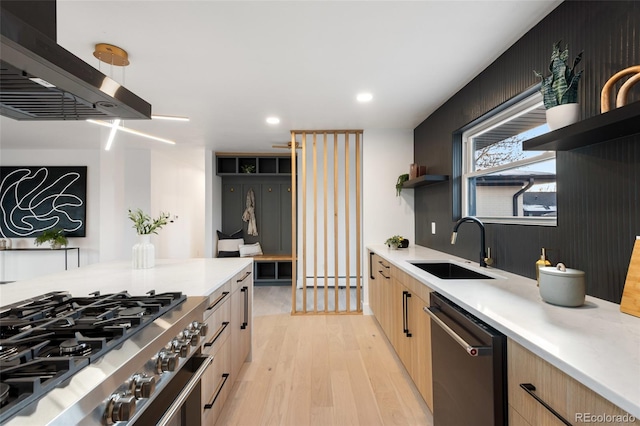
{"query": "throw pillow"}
(247, 250)
(228, 245)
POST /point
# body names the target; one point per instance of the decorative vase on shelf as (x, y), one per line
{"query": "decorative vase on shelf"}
(562, 115)
(143, 253)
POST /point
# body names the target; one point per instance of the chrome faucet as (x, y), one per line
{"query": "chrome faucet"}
(485, 259)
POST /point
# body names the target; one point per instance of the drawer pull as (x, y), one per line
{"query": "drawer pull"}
(246, 274)
(218, 333)
(385, 277)
(218, 300)
(380, 262)
(225, 376)
(529, 388)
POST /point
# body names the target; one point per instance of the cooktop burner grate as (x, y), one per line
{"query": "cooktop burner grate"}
(45, 340)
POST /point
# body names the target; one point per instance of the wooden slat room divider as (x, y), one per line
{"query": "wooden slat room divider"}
(330, 162)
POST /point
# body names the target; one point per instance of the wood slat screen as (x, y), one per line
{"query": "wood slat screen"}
(326, 226)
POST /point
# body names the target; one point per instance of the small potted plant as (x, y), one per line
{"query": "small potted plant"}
(560, 88)
(55, 237)
(401, 180)
(394, 242)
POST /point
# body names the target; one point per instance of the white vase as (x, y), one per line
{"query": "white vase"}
(143, 253)
(562, 115)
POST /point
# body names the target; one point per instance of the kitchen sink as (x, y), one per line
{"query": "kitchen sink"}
(450, 271)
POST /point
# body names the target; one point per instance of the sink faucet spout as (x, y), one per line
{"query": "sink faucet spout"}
(454, 236)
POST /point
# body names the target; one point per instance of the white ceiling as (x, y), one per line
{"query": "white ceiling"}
(229, 64)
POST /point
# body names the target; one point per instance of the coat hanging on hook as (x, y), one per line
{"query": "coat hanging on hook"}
(249, 214)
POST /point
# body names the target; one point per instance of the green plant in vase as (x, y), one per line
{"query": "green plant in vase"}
(144, 224)
(55, 237)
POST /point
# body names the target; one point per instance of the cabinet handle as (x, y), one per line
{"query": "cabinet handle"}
(405, 312)
(246, 274)
(371, 274)
(470, 349)
(385, 277)
(529, 388)
(218, 333)
(380, 262)
(245, 290)
(225, 376)
(218, 300)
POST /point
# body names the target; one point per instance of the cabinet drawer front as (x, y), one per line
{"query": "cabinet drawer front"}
(218, 298)
(215, 385)
(219, 328)
(566, 396)
(242, 278)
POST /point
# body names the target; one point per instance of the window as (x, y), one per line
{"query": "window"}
(501, 183)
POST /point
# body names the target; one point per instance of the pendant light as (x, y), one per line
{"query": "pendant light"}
(118, 57)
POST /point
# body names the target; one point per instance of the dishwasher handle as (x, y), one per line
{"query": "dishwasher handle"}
(470, 349)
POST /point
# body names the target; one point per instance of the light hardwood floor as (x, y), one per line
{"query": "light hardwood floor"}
(320, 370)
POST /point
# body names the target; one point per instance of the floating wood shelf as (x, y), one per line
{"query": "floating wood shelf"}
(614, 124)
(425, 180)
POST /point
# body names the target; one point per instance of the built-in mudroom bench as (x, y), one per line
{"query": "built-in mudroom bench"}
(268, 175)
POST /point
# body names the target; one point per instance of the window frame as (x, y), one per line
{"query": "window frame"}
(519, 106)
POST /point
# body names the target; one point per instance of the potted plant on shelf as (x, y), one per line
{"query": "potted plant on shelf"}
(143, 253)
(394, 242)
(560, 89)
(401, 180)
(55, 237)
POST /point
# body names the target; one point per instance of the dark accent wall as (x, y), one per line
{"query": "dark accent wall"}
(598, 186)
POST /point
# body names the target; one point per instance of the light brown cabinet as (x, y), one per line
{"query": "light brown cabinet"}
(397, 300)
(540, 395)
(228, 318)
(241, 312)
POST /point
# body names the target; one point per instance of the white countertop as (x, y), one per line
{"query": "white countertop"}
(595, 344)
(193, 277)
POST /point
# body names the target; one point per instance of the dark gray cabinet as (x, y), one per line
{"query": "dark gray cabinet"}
(272, 209)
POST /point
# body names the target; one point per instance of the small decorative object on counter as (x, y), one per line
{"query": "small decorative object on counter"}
(413, 171)
(143, 253)
(401, 180)
(55, 237)
(422, 170)
(541, 263)
(562, 286)
(560, 89)
(394, 242)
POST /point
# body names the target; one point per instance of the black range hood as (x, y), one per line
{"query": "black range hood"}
(40, 80)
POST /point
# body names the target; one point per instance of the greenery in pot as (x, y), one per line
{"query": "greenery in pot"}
(143, 223)
(248, 168)
(53, 236)
(394, 241)
(401, 180)
(561, 86)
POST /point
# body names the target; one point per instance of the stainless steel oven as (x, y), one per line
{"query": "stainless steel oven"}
(102, 359)
(469, 367)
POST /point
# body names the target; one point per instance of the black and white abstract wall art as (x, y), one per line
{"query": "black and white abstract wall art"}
(34, 199)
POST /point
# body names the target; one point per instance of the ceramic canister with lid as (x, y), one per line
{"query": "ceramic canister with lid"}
(562, 286)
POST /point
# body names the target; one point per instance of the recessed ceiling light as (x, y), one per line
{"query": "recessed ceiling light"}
(273, 120)
(364, 97)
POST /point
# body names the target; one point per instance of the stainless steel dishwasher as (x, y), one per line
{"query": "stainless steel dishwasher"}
(469, 367)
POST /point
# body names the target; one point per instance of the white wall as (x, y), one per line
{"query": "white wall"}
(170, 180)
(386, 155)
(23, 265)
